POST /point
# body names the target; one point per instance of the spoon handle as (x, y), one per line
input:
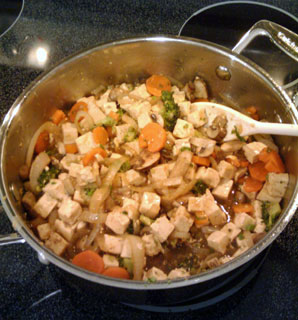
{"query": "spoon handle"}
(276, 129)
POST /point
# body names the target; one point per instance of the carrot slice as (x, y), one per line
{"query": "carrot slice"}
(202, 161)
(264, 155)
(100, 135)
(75, 108)
(252, 185)
(244, 163)
(153, 136)
(241, 179)
(272, 160)
(157, 83)
(201, 219)
(90, 261)
(116, 272)
(234, 161)
(58, 116)
(243, 207)
(42, 142)
(89, 156)
(71, 148)
(114, 116)
(258, 171)
(251, 110)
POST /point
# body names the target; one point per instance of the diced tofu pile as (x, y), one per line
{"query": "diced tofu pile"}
(140, 176)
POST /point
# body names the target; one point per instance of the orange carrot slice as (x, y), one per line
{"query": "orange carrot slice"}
(157, 83)
(114, 116)
(116, 272)
(202, 161)
(58, 116)
(243, 207)
(201, 219)
(43, 141)
(89, 156)
(75, 108)
(252, 185)
(251, 110)
(71, 148)
(272, 160)
(258, 171)
(153, 136)
(100, 135)
(90, 261)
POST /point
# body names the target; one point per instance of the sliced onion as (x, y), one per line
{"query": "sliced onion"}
(208, 229)
(101, 194)
(180, 235)
(93, 217)
(127, 119)
(83, 114)
(138, 256)
(38, 165)
(48, 126)
(93, 234)
(180, 191)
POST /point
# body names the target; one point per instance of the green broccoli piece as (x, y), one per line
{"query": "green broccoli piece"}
(185, 148)
(170, 111)
(270, 213)
(236, 132)
(125, 166)
(130, 135)
(108, 122)
(46, 176)
(89, 191)
(199, 188)
(121, 112)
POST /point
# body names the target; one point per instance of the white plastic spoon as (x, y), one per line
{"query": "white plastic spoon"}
(240, 125)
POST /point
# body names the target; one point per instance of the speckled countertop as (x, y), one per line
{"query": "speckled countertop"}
(31, 290)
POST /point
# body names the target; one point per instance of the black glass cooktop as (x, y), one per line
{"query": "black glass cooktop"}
(10, 10)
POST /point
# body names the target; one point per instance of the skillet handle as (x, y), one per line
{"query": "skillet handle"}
(284, 39)
(10, 239)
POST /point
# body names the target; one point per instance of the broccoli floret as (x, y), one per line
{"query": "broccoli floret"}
(270, 212)
(108, 122)
(170, 111)
(125, 166)
(130, 135)
(185, 149)
(46, 176)
(199, 188)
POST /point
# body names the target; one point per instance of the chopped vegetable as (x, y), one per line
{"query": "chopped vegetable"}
(146, 220)
(200, 187)
(201, 219)
(258, 171)
(100, 135)
(243, 207)
(127, 264)
(156, 84)
(272, 160)
(120, 112)
(108, 122)
(58, 116)
(90, 261)
(71, 148)
(241, 236)
(47, 175)
(89, 156)
(42, 142)
(236, 132)
(185, 148)
(151, 280)
(75, 108)
(170, 111)
(125, 167)
(252, 185)
(202, 161)
(130, 135)
(89, 191)
(270, 212)
(250, 227)
(116, 272)
(153, 136)
(251, 110)
(114, 115)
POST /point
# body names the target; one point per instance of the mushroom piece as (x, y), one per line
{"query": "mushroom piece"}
(205, 146)
(218, 129)
(200, 91)
(148, 158)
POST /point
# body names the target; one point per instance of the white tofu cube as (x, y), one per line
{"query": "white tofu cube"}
(246, 241)
(55, 188)
(68, 186)
(133, 148)
(226, 170)
(69, 211)
(218, 241)
(277, 184)
(162, 228)
(137, 108)
(252, 150)
(184, 108)
(194, 204)
(61, 147)
(231, 230)
(111, 244)
(110, 261)
(64, 229)
(121, 131)
(140, 92)
(75, 169)
(151, 244)
(178, 273)
(56, 243)
(183, 129)
(143, 119)
(68, 160)
(179, 96)
(86, 176)
(70, 132)
(126, 249)
(117, 222)
(197, 117)
(244, 221)
(182, 220)
(44, 231)
(209, 176)
(160, 172)
(85, 143)
(78, 197)
(94, 111)
(179, 144)
(150, 204)
(134, 177)
(109, 106)
(103, 99)
(154, 274)
(45, 205)
(131, 206)
(223, 190)
(257, 215)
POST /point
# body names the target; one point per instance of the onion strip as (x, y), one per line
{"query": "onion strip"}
(127, 119)
(181, 190)
(93, 234)
(38, 165)
(48, 126)
(138, 256)
(83, 114)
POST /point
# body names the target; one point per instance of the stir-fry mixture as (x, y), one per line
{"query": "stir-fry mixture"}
(132, 183)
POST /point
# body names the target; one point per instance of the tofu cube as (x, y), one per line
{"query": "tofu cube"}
(111, 244)
(197, 117)
(180, 143)
(64, 229)
(55, 188)
(44, 231)
(244, 221)
(86, 176)
(94, 111)
(246, 240)
(218, 240)
(194, 204)
(110, 261)
(78, 197)
(277, 184)
(68, 160)
(209, 176)
(126, 249)
(162, 228)
(223, 190)
(70, 133)
(117, 222)
(226, 170)
(121, 131)
(103, 99)
(178, 273)
(140, 92)
(160, 172)
(134, 177)
(154, 274)
(183, 129)
(252, 150)
(143, 119)
(182, 220)
(151, 244)
(85, 143)
(184, 108)
(68, 186)
(131, 206)
(109, 106)
(231, 230)
(56, 243)
(137, 108)
(150, 204)
(69, 211)
(75, 169)
(45, 205)
(257, 215)
(133, 148)
(179, 96)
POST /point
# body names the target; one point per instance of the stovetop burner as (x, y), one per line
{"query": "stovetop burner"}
(10, 11)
